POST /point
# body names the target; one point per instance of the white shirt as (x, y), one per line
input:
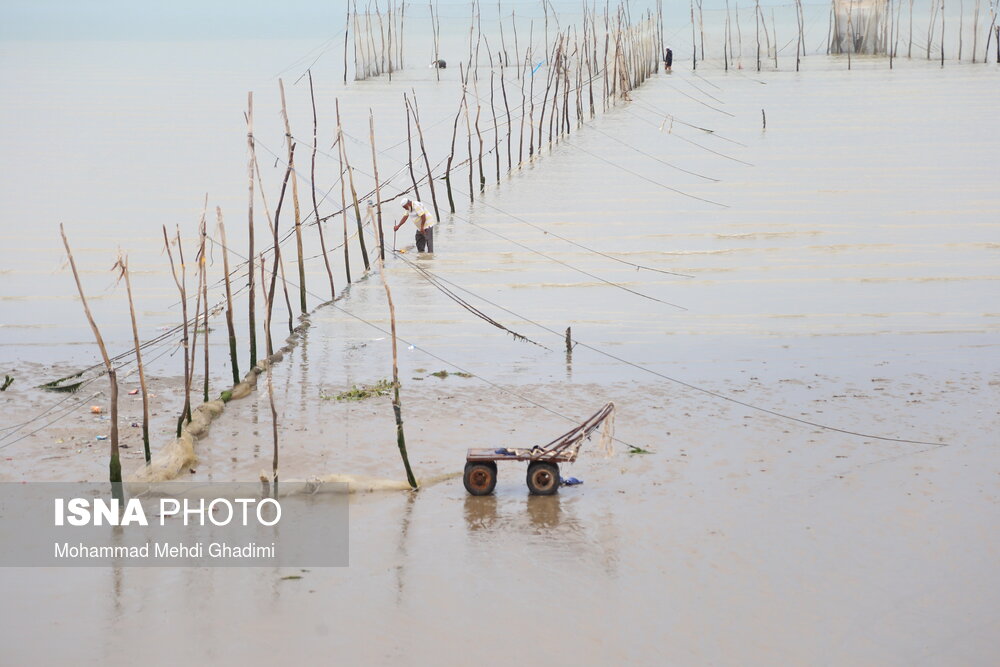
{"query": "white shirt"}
(417, 209)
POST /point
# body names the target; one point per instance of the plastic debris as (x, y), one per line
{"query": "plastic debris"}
(96, 409)
(133, 392)
(102, 437)
(570, 481)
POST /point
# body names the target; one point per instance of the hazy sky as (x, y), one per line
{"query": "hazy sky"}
(168, 19)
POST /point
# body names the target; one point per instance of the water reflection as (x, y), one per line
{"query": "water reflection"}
(534, 515)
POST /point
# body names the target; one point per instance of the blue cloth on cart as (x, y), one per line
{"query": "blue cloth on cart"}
(570, 481)
(503, 451)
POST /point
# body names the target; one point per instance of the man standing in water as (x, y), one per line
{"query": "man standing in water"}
(424, 221)
(668, 59)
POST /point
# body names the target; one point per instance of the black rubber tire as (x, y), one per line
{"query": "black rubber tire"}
(543, 478)
(480, 478)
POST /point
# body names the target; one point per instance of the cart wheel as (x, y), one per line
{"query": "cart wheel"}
(480, 478)
(543, 478)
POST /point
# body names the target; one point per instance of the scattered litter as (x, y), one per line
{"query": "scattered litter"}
(410, 348)
(192, 470)
(135, 424)
(570, 481)
(124, 446)
(102, 437)
(133, 392)
(96, 409)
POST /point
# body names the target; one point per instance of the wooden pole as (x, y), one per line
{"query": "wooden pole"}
(451, 153)
(203, 272)
(354, 194)
(114, 464)
(203, 268)
(233, 359)
(277, 251)
(295, 203)
(251, 161)
(268, 298)
(409, 153)
(123, 265)
(397, 405)
(343, 196)
(182, 289)
(423, 150)
(312, 189)
(280, 260)
(378, 194)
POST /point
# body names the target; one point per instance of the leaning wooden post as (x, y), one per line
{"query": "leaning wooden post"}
(451, 155)
(312, 189)
(233, 359)
(280, 260)
(182, 288)
(277, 251)
(397, 407)
(378, 193)
(123, 266)
(409, 152)
(343, 200)
(295, 203)
(354, 194)
(203, 279)
(251, 161)
(268, 298)
(423, 151)
(114, 465)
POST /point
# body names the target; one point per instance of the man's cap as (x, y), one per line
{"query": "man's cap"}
(406, 202)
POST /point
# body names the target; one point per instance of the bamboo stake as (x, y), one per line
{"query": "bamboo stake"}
(197, 309)
(397, 406)
(378, 194)
(354, 195)
(909, 49)
(114, 464)
(280, 259)
(277, 251)
(942, 33)
(182, 288)
(203, 273)
(468, 131)
(312, 190)
(451, 153)
(343, 196)
(251, 161)
(295, 202)
(409, 154)
(268, 298)
(506, 106)
(123, 266)
(757, 27)
(233, 359)
(694, 43)
(496, 130)
(423, 150)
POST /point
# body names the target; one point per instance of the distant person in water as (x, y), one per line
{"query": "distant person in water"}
(424, 221)
(668, 59)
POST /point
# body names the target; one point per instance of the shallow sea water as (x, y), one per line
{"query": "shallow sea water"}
(850, 279)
